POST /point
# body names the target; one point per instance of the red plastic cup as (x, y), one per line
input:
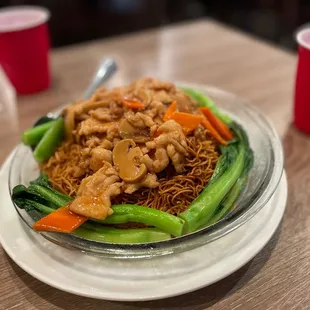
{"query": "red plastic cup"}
(302, 86)
(24, 46)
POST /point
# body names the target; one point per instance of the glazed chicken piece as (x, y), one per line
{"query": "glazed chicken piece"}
(156, 111)
(139, 120)
(95, 192)
(92, 126)
(171, 143)
(162, 96)
(103, 114)
(99, 156)
(154, 84)
(160, 161)
(149, 181)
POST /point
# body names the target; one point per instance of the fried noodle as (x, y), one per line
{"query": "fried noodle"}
(175, 193)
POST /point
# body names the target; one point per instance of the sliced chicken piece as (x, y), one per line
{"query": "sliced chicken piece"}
(108, 114)
(170, 133)
(176, 158)
(156, 109)
(154, 84)
(93, 126)
(148, 162)
(93, 142)
(113, 132)
(99, 155)
(161, 161)
(84, 106)
(163, 97)
(139, 120)
(95, 192)
(91, 206)
(170, 144)
(102, 114)
(149, 181)
(107, 144)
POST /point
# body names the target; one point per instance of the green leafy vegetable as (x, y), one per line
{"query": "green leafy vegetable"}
(225, 186)
(40, 191)
(203, 207)
(21, 193)
(52, 196)
(47, 145)
(228, 155)
(116, 235)
(92, 231)
(42, 120)
(33, 135)
(229, 200)
(233, 195)
(133, 213)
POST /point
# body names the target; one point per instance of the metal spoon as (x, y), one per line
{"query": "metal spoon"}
(106, 69)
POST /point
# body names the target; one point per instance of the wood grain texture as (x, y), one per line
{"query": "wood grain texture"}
(202, 52)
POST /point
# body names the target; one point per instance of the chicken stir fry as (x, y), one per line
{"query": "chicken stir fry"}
(121, 140)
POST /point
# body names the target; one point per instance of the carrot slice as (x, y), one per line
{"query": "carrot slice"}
(61, 220)
(219, 125)
(170, 111)
(187, 121)
(205, 123)
(132, 103)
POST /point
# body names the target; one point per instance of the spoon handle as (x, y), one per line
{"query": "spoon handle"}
(105, 71)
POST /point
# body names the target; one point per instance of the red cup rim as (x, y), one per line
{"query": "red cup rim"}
(45, 15)
(300, 36)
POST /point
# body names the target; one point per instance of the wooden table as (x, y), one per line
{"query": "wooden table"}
(203, 52)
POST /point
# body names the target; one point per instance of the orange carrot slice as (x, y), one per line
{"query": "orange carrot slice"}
(132, 103)
(205, 123)
(170, 111)
(187, 121)
(218, 124)
(61, 220)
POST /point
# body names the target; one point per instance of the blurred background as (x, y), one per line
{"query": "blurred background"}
(75, 21)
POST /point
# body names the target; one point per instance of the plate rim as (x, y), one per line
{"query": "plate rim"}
(252, 252)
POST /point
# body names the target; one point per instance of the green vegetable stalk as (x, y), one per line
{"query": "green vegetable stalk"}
(201, 210)
(25, 199)
(40, 191)
(50, 195)
(133, 213)
(115, 235)
(229, 200)
(224, 187)
(33, 135)
(52, 137)
(228, 156)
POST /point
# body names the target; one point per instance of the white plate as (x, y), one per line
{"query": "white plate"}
(147, 279)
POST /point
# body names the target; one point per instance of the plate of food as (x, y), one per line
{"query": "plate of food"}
(151, 174)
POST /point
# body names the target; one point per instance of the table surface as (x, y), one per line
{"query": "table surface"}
(202, 52)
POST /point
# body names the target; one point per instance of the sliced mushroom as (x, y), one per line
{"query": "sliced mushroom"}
(126, 156)
(127, 131)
